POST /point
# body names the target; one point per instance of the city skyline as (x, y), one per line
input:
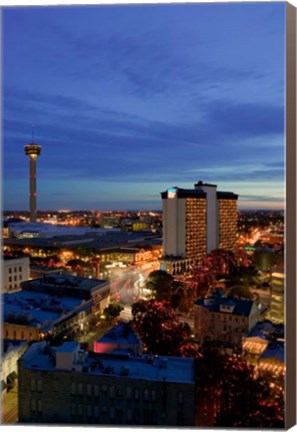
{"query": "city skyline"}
(130, 100)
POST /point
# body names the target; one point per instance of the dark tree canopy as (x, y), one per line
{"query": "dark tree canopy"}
(159, 328)
(161, 284)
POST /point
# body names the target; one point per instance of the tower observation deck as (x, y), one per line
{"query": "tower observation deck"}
(33, 151)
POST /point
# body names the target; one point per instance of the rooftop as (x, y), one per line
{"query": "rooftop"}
(9, 257)
(63, 280)
(123, 333)
(274, 350)
(267, 330)
(33, 309)
(9, 345)
(218, 303)
(172, 369)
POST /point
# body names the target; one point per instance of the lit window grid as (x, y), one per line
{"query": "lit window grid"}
(227, 224)
(195, 228)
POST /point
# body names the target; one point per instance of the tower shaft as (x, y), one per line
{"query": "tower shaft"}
(33, 151)
(33, 212)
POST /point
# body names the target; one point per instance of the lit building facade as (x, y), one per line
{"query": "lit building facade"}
(15, 271)
(224, 320)
(54, 305)
(196, 222)
(12, 350)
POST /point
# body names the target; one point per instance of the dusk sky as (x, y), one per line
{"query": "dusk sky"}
(128, 101)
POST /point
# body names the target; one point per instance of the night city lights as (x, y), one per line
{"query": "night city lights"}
(143, 244)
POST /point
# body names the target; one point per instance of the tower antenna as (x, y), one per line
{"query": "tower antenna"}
(32, 133)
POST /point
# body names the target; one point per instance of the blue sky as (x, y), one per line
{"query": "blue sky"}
(130, 100)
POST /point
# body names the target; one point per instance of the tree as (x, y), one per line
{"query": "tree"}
(159, 328)
(233, 395)
(240, 291)
(112, 311)
(161, 284)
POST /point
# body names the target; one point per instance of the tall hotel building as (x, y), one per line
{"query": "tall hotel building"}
(195, 222)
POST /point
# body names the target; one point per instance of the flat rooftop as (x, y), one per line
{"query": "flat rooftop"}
(173, 369)
(66, 281)
(32, 308)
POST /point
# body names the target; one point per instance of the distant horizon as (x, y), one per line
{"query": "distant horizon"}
(134, 210)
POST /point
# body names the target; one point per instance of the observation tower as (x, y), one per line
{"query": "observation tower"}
(33, 151)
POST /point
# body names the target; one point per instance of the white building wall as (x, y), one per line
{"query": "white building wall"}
(174, 226)
(15, 271)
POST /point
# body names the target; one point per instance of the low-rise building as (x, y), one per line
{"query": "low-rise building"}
(104, 388)
(120, 337)
(53, 305)
(15, 271)
(11, 352)
(224, 320)
(273, 360)
(258, 339)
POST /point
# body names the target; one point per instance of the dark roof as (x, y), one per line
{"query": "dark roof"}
(242, 307)
(227, 195)
(274, 350)
(123, 333)
(186, 193)
(200, 183)
(10, 257)
(267, 330)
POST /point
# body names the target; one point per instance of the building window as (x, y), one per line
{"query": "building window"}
(20, 269)
(136, 415)
(22, 335)
(33, 385)
(89, 410)
(14, 334)
(96, 411)
(9, 270)
(154, 395)
(180, 397)
(20, 277)
(136, 394)
(39, 406)
(73, 388)
(129, 393)
(146, 394)
(15, 278)
(80, 389)
(39, 385)
(10, 279)
(111, 392)
(33, 405)
(15, 269)
(112, 413)
(96, 390)
(80, 410)
(89, 390)
(73, 409)
(129, 414)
